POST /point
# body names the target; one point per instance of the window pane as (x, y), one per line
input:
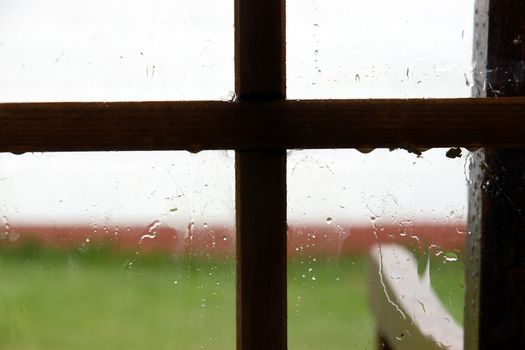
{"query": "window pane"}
(379, 48)
(345, 209)
(131, 250)
(115, 50)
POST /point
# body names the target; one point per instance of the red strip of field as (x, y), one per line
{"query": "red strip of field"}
(220, 240)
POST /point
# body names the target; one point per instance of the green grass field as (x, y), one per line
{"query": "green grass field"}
(102, 300)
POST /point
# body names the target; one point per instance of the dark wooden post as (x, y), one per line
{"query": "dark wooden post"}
(260, 182)
(495, 271)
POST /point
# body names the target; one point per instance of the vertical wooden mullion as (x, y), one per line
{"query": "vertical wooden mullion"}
(495, 262)
(260, 49)
(260, 182)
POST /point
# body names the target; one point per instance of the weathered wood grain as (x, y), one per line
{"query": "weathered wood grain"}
(257, 125)
(260, 174)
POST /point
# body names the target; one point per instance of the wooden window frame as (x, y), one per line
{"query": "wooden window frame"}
(261, 124)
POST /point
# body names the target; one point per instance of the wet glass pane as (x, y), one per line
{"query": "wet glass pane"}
(379, 48)
(374, 237)
(130, 250)
(115, 50)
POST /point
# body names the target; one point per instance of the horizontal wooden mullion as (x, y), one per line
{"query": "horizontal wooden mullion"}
(252, 125)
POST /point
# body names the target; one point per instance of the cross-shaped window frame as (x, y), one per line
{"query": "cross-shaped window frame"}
(260, 125)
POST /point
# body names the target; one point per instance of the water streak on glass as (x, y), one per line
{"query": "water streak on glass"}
(117, 250)
(115, 50)
(351, 218)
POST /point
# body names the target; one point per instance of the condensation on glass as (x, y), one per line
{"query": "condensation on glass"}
(115, 50)
(117, 250)
(380, 49)
(372, 238)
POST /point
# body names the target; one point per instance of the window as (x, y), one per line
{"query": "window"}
(117, 249)
(101, 53)
(260, 125)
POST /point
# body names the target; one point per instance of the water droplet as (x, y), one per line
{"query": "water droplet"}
(400, 336)
(175, 282)
(328, 220)
(153, 225)
(450, 256)
(7, 227)
(313, 278)
(152, 230)
(87, 240)
(232, 96)
(454, 152)
(467, 81)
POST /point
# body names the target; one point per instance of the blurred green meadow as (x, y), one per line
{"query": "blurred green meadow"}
(102, 299)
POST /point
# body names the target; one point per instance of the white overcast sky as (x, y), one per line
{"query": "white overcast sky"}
(118, 50)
